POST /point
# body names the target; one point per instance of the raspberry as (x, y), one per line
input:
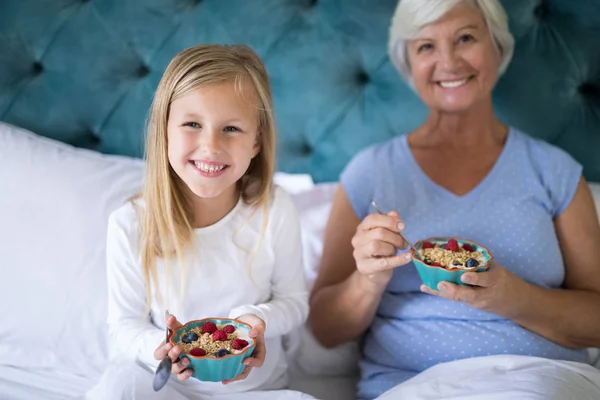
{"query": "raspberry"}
(219, 336)
(468, 247)
(427, 245)
(198, 352)
(239, 344)
(229, 329)
(435, 264)
(452, 245)
(209, 327)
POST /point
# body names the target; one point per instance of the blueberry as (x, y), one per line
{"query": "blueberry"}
(471, 263)
(457, 263)
(189, 337)
(221, 353)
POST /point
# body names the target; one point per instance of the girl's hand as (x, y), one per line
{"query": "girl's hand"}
(376, 243)
(179, 366)
(496, 290)
(258, 356)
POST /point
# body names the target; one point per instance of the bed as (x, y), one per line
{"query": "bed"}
(76, 81)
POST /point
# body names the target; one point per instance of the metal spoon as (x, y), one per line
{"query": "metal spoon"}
(401, 235)
(163, 371)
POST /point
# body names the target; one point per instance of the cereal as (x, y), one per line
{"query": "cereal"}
(205, 341)
(439, 256)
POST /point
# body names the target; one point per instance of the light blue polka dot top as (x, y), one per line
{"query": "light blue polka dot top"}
(511, 212)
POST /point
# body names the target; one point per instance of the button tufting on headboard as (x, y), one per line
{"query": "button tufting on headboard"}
(305, 149)
(37, 68)
(142, 71)
(88, 140)
(541, 11)
(588, 89)
(363, 78)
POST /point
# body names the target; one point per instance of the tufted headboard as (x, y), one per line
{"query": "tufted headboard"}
(84, 71)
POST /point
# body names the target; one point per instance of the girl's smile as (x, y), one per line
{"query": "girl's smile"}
(209, 169)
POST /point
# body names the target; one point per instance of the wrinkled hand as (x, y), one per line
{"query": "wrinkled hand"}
(179, 366)
(258, 356)
(376, 243)
(496, 290)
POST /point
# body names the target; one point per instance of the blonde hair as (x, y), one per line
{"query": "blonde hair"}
(167, 218)
(412, 15)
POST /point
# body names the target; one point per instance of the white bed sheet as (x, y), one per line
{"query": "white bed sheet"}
(483, 378)
(42, 384)
(500, 378)
(17, 383)
(326, 387)
(129, 381)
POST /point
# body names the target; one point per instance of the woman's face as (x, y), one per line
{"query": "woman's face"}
(454, 61)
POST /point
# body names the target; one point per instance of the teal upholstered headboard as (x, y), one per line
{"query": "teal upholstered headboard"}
(84, 71)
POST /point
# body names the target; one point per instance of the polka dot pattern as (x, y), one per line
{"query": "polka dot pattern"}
(511, 212)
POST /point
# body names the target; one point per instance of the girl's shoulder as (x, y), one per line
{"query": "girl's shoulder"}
(280, 195)
(279, 208)
(281, 205)
(127, 216)
(281, 202)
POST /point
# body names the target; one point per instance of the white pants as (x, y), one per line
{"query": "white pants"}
(501, 378)
(129, 381)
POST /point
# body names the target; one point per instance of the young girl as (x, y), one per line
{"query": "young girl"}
(209, 236)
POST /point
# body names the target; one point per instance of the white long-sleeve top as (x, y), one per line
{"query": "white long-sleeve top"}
(219, 284)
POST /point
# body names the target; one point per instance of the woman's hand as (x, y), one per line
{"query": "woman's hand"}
(376, 243)
(258, 356)
(496, 290)
(179, 366)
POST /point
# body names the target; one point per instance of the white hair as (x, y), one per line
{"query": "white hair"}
(412, 15)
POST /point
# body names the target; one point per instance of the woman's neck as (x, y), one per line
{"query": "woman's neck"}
(208, 212)
(476, 127)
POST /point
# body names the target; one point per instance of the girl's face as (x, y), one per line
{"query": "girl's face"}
(212, 137)
(454, 61)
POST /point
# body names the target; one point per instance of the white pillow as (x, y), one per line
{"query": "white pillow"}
(54, 205)
(313, 206)
(308, 357)
(294, 183)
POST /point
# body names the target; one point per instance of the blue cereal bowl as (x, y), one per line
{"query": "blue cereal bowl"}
(210, 368)
(431, 275)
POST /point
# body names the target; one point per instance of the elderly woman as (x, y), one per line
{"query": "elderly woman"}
(463, 173)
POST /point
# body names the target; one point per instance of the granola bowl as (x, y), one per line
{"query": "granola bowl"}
(436, 264)
(222, 358)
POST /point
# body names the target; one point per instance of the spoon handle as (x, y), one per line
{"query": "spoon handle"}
(168, 330)
(163, 371)
(401, 235)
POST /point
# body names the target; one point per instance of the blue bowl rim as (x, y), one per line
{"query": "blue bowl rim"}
(173, 332)
(482, 267)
